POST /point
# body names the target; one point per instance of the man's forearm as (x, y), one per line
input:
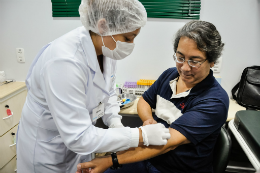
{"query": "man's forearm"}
(144, 110)
(100, 164)
(137, 154)
(141, 153)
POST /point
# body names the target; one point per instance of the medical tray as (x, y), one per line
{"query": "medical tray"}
(247, 123)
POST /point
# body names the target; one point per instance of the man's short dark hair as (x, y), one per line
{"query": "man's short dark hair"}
(205, 35)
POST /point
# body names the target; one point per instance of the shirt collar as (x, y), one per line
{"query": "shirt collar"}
(89, 49)
(197, 89)
(102, 80)
(173, 85)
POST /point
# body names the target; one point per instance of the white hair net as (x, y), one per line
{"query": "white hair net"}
(111, 17)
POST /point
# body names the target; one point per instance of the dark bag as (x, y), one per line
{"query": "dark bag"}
(248, 94)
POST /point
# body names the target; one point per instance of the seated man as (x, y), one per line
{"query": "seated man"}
(189, 101)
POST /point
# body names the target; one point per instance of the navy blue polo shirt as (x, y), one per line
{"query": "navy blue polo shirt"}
(198, 114)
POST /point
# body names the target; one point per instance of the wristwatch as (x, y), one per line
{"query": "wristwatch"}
(115, 162)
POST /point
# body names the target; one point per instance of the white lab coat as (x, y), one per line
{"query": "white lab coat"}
(64, 84)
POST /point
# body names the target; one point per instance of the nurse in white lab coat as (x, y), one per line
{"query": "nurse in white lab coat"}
(71, 83)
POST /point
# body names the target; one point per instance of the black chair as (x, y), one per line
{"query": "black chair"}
(221, 151)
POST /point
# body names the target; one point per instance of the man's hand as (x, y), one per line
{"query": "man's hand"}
(97, 165)
(149, 121)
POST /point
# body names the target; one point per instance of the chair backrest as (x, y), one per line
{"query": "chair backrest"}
(221, 151)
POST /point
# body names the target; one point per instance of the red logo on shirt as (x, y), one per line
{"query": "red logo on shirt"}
(182, 105)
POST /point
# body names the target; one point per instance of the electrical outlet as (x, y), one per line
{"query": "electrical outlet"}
(20, 55)
(217, 67)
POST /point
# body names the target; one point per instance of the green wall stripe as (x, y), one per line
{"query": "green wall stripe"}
(176, 9)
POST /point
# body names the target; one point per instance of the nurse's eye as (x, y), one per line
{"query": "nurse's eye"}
(126, 39)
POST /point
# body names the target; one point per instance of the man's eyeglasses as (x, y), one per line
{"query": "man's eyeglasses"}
(191, 63)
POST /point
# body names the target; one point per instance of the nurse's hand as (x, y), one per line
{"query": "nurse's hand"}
(155, 134)
(97, 165)
(149, 121)
(115, 123)
(117, 126)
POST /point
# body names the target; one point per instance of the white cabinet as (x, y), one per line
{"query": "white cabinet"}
(13, 95)
(10, 167)
(7, 147)
(15, 104)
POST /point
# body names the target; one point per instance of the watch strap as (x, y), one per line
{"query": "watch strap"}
(116, 165)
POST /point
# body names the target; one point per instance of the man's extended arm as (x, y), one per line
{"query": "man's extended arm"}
(99, 165)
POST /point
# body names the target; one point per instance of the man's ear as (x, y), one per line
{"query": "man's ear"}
(102, 26)
(212, 64)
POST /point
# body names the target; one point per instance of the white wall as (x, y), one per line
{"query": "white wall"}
(28, 24)
(238, 22)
